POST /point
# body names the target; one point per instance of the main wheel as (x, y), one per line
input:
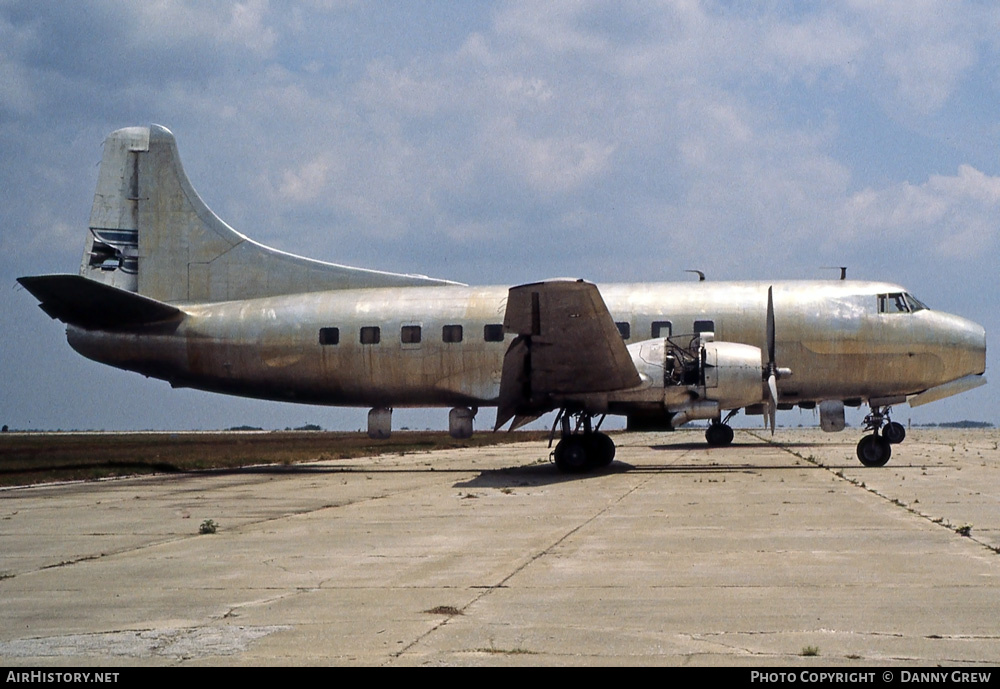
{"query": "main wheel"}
(602, 449)
(571, 454)
(894, 432)
(874, 450)
(719, 435)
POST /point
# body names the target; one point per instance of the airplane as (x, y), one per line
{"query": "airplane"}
(167, 289)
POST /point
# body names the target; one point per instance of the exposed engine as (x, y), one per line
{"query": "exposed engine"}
(728, 375)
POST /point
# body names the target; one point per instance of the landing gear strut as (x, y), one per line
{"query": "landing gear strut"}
(582, 447)
(874, 450)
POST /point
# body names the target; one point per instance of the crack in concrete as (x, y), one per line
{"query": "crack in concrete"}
(964, 530)
(179, 643)
(502, 584)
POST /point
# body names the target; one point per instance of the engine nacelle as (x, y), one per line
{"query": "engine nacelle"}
(732, 374)
(726, 373)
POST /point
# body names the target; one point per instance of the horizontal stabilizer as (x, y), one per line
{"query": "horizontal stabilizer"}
(82, 302)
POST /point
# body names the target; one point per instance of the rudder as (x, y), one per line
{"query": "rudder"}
(111, 254)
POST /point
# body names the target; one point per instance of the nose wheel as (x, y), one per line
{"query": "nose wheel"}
(875, 450)
(894, 432)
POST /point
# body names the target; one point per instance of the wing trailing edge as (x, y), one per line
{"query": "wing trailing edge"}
(567, 345)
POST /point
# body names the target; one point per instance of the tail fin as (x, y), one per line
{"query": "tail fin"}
(111, 255)
(151, 233)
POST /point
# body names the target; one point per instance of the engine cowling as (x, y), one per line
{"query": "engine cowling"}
(726, 373)
(733, 373)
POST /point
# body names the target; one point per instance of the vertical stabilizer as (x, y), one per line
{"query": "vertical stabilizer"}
(151, 233)
(111, 255)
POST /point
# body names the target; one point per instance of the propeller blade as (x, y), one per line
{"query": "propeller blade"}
(772, 367)
(772, 405)
(770, 329)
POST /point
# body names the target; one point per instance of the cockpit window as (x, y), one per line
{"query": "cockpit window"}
(892, 303)
(899, 302)
(915, 304)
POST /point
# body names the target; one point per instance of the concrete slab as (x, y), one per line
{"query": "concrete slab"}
(676, 554)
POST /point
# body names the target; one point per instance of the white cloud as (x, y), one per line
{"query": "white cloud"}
(179, 22)
(924, 46)
(807, 48)
(307, 182)
(957, 217)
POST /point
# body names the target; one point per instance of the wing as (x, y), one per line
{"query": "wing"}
(567, 345)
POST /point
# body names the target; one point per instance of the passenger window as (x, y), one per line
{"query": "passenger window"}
(625, 329)
(661, 329)
(371, 335)
(451, 333)
(704, 327)
(409, 334)
(329, 336)
(493, 332)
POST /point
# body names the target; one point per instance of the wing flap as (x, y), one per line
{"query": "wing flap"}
(82, 302)
(567, 344)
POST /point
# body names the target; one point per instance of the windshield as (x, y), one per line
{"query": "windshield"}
(899, 302)
(915, 304)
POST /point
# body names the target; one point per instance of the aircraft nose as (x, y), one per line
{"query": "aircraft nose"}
(981, 348)
(967, 341)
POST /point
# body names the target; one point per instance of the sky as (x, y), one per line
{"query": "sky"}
(502, 143)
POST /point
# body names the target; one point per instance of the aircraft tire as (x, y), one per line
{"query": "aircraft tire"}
(719, 435)
(894, 432)
(601, 450)
(572, 455)
(874, 450)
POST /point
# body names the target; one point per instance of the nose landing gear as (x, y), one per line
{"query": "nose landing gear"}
(874, 450)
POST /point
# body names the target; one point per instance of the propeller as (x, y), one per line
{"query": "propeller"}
(772, 368)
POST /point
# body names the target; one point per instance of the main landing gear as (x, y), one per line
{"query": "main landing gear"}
(582, 447)
(874, 450)
(719, 433)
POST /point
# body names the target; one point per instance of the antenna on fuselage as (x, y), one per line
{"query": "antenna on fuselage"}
(842, 269)
(701, 275)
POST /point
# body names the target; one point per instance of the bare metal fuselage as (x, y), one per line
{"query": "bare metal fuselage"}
(168, 289)
(830, 334)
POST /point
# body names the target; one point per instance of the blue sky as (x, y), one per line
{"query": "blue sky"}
(496, 142)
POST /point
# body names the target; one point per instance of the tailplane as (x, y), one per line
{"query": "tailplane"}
(90, 304)
(152, 234)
